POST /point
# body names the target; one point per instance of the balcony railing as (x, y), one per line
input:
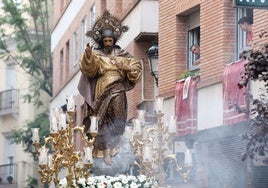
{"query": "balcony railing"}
(8, 175)
(9, 101)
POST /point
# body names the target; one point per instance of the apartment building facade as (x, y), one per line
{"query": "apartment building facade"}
(208, 120)
(73, 19)
(16, 166)
(213, 126)
(14, 113)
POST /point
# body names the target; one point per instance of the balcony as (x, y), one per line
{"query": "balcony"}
(8, 176)
(143, 25)
(9, 101)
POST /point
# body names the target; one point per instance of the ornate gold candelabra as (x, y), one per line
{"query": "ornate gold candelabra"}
(154, 144)
(64, 156)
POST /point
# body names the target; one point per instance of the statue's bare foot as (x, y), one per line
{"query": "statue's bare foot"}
(107, 159)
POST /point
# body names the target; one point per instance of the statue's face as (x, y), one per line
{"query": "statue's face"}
(108, 43)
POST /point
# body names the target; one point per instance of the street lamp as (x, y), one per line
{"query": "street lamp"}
(152, 54)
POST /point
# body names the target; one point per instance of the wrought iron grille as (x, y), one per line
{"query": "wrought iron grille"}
(8, 174)
(9, 101)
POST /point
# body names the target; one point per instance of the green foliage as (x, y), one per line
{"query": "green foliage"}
(28, 25)
(24, 135)
(31, 182)
(256, 69)
(188, 73)
(257, 137)
(257, 66)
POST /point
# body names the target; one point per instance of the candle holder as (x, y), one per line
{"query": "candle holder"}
(64, 156)
(160, 139)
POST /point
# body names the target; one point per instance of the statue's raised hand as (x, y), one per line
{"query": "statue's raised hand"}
(88, 50)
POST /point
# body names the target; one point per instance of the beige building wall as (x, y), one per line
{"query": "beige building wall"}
(15, 117)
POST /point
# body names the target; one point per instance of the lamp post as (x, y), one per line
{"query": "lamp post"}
(152, 54)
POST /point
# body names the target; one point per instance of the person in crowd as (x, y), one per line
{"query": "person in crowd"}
(108, 72)
(246, 24)
(195, 49)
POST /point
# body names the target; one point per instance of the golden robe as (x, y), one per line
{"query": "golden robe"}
(109, 103)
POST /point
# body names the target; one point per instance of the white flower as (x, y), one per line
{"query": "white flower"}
(124, 180)
(117, 185)
(147, 184)
(132, 178)
(101, 185)
(82, 181)
(91, 180)
(63, 183)
(108, 182)
(122, 176)
(142, 178)
(133, 185)
(121, 181)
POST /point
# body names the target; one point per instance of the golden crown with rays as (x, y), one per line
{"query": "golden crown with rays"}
(107, 25)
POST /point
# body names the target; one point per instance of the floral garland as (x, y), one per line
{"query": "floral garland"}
(121, 181)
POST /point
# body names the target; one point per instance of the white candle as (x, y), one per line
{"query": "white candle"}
(128, 133)
(188, 158)
(53, 125)
(62, 121)
(172, 128)
(70, 103)
(159, 104)
(50, 160)
(88, 154)
(35, 132)
(80, 163)
(137, 126)
(147, 153)
(43, 155)
(57, 113)
(141, 116)
(94, 124)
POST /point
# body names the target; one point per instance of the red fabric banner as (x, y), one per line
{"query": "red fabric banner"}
(186, 106)
(235, 100)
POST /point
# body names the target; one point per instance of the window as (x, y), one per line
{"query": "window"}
(11, 167)
(193, 38)
(10, 76)
(91, 21)
(83, 34)
(61, 65)
(9, 156)
(92, 15)
(241, 36)
(75, 49)
(67, 60)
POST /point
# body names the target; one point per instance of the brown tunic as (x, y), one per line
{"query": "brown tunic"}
(109, 100)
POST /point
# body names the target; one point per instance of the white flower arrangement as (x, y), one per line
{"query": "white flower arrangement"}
(121, 181)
